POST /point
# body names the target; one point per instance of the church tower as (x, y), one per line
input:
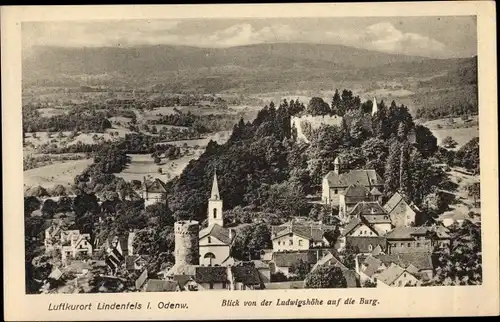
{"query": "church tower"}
(374, 107)
(215, 215)
(337, 164)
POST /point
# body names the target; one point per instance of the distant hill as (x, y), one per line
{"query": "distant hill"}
(430, 84)
(145, 62)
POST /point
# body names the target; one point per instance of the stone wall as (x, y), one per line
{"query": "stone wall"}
(315, 122)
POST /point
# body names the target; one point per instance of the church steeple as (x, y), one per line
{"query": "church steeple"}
(215, 188)
(215, 215)
(374, 107)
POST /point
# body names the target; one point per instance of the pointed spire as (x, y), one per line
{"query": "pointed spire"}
(374, 108)
(215, 188)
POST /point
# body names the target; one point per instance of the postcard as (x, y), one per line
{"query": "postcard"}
(244, 161)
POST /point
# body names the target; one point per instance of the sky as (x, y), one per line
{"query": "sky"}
(438, 37)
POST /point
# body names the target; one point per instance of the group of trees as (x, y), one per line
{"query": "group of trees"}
(461, 263)
(73, 120)
(454, 110)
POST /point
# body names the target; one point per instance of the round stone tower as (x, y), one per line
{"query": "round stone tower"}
(187, 250)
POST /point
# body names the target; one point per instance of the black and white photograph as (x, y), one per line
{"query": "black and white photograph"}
(210, 154)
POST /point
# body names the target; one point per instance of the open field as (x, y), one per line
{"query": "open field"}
(465, 203)
(60, 172)
(461, 136)
(142, 165)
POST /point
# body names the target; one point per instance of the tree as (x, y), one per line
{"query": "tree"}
(317, 106)
(326, 276)
(348, 256)
(336, 102)
(278, 277)
(460, 264)
(449, 143)
(468, 155)
(426, 142)
(31, 204)
(392, 167)
(49, 208)
(474, 190)
(300, 270)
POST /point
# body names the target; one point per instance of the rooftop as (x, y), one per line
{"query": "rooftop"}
(367, 178)
(389, 275)
(215, 230)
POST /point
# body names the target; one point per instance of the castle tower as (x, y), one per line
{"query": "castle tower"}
(215, 215)
(337, 165)
(187, 249)
(374, 107)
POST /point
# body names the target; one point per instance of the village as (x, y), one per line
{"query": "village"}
(376, 243)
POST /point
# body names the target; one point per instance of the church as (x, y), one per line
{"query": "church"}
(215, 240)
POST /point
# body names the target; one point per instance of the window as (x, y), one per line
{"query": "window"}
(370, 248)
(209, 239)
(291, 242)
(211, 286)
(400, 283)
(409, 244)
(404, 275)
(418, 244)
(279, 242)
(300, 242)
(215, 212)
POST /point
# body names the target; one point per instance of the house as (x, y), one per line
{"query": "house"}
(409, 240)
(396, 276)
(117, 249)
(156, 285)
(212, 278)
(52, 238)
(418, 264)
(136, 262)
(353, 195)
(337, 181)
(367, 244)
(215, 240)
(74, 244)
(401, 211)
(284, 261)
(440, 236)
(374, 215)
(245, 276)
(153, 191)
(295, 237)
(351, 277)
(264, 270)
(78, 267)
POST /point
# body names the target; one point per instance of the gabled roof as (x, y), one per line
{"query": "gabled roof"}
(354, 223)
(368, 208)
(423, 261)
(372, 265)
(56, 274)
(395, 200)
(246, 273)
(215, 230)
(287, 259)
(355, 190)
(377, 219)
(363, 242)
(329, 259)
(402, 232)
(154, 285)
(389, 275)
(378, 250)
(375, 192)
(308, 232)
(155, 186)
(367, 178)
(211, 274)
(182, 269)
